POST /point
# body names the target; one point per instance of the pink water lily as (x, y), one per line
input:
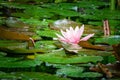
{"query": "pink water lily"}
(73, 36)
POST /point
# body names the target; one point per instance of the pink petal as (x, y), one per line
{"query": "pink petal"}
(71, 29)
(63, 33)
(67, 30)
(60, 37)
(87, 37)
(72, 32)
(69, 34)
(76, 31)
(73, 35)
(80, 32)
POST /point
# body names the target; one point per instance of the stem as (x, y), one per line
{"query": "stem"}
(106, 28)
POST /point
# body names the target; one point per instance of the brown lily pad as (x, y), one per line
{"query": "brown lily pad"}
(80, 46)
(116, 52)
(6, 34)
(86, 44)
(102, 69)
(15, 25)
(111, 70)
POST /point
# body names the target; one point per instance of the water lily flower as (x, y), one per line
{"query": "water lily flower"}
(73, 36)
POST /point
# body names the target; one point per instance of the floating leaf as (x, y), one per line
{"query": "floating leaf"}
(68, 60)
(114, 68)
(36, 22)
(67, 6)
(6, 34)
(12, 44)
(16, 25)
(95, 4)
(14, 22)
(9, 62)
(70, 71)
(94, 52)
(47, 44)
(15, 5)
(90, 74)
(30, 75)
(73, 71)
(102, 68)
(17, 47)
(98, 23)
(1, 19)
(38, 12)
(116, 52)
(66, 13)
(35, 12)
(47, 33)
(9, 59)
(21, 50)
(88, 45)
(109, 40)
(65, 24)
(113, 23)
(82, 45)
(96, 15)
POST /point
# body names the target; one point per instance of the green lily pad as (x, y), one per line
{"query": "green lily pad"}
(12, 44)
(21, 50)
(48, 44)
(70, 71)
(66, 13)
(35, 12)
(30, 76)
(90, 74)
(10, 62)
(16, 47)
(77, 72)
(36, 22)
(67, 60)
(15, 5)
(109, 40)
(47, 33)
